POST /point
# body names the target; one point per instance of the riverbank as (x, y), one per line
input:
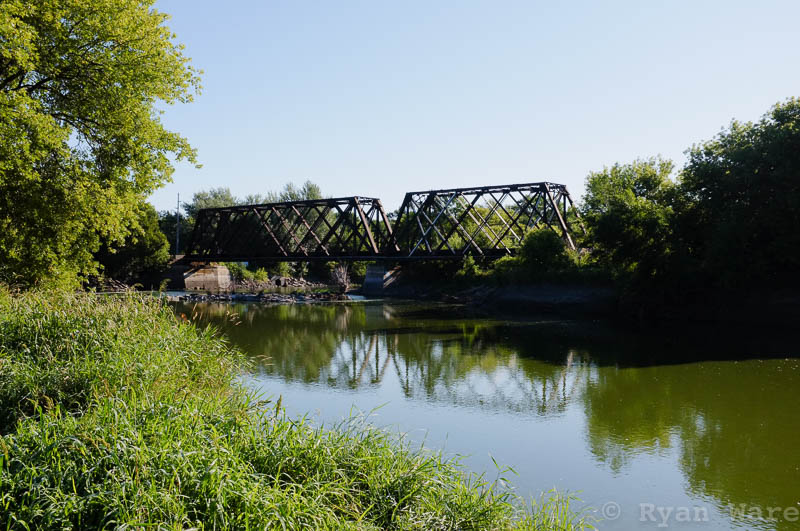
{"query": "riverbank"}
(751, 305)
(112, 413)
(563, 299)
(566, 300)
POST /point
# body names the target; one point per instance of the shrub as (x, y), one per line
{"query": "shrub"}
(142, 256)
(543, 250)
(281, 269)
(238, 271)
(469, 269)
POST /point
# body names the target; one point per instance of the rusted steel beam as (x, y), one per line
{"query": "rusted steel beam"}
(561, 221)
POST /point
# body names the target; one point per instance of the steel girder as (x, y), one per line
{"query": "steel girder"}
(485, 221)
(354, 228)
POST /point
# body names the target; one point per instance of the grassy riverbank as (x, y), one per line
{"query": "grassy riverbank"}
(112, 414)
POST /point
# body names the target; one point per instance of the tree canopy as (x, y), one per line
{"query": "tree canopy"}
(727, 223)
(628, 212)
(81, 142)
(212, 198)
(742, 199)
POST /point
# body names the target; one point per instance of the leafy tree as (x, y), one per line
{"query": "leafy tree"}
(142, 256)
(223, 197)
(256, 199)
(742, 195)
(628, 212)
(291, 192)
(647, 179)
(213, 198)
(81, 143)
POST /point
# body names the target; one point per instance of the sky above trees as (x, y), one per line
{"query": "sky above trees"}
(380, 98)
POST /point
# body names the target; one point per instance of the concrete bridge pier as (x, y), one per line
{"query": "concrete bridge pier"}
(378, 278)
(198, 276)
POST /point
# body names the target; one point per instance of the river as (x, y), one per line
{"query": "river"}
(685, 430)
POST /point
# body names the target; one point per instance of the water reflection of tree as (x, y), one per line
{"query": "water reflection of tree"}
(294, 341)
(731, 423)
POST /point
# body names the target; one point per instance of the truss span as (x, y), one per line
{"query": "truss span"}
(486, 221)
(349, 228)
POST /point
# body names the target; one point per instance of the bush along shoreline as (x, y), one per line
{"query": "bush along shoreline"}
(115, 414)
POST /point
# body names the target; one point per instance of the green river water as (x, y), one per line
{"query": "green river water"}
(680, 430)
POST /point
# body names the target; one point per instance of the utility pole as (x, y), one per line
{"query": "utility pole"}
(178, 226)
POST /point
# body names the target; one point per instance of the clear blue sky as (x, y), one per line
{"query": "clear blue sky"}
(377, 98)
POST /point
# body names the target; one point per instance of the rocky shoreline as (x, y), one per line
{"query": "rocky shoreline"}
(262, 297)
(257, 286)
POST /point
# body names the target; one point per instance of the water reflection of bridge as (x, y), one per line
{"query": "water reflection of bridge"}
(356, 347)
(437, 371)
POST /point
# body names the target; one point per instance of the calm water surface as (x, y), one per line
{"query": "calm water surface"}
(632, 423)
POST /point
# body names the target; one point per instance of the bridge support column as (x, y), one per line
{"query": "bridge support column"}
(378, 277)
(208, 278)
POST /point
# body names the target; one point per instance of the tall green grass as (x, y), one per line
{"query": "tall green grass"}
(113, 414)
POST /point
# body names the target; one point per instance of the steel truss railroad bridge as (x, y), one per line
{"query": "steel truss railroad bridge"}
(486, 221)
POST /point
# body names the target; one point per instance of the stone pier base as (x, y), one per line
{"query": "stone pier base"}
(207, 278)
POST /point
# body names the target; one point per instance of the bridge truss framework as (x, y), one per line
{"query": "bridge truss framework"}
(354, 228)
(486, 221)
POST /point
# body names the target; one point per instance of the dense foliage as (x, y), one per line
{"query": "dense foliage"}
(721, 228)
(112, 414)
(628, 212)
(167, 223)
(741, 200)
(81, 142)
(222, 197)
(725, 224)
(142, 256)
(543, 250)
